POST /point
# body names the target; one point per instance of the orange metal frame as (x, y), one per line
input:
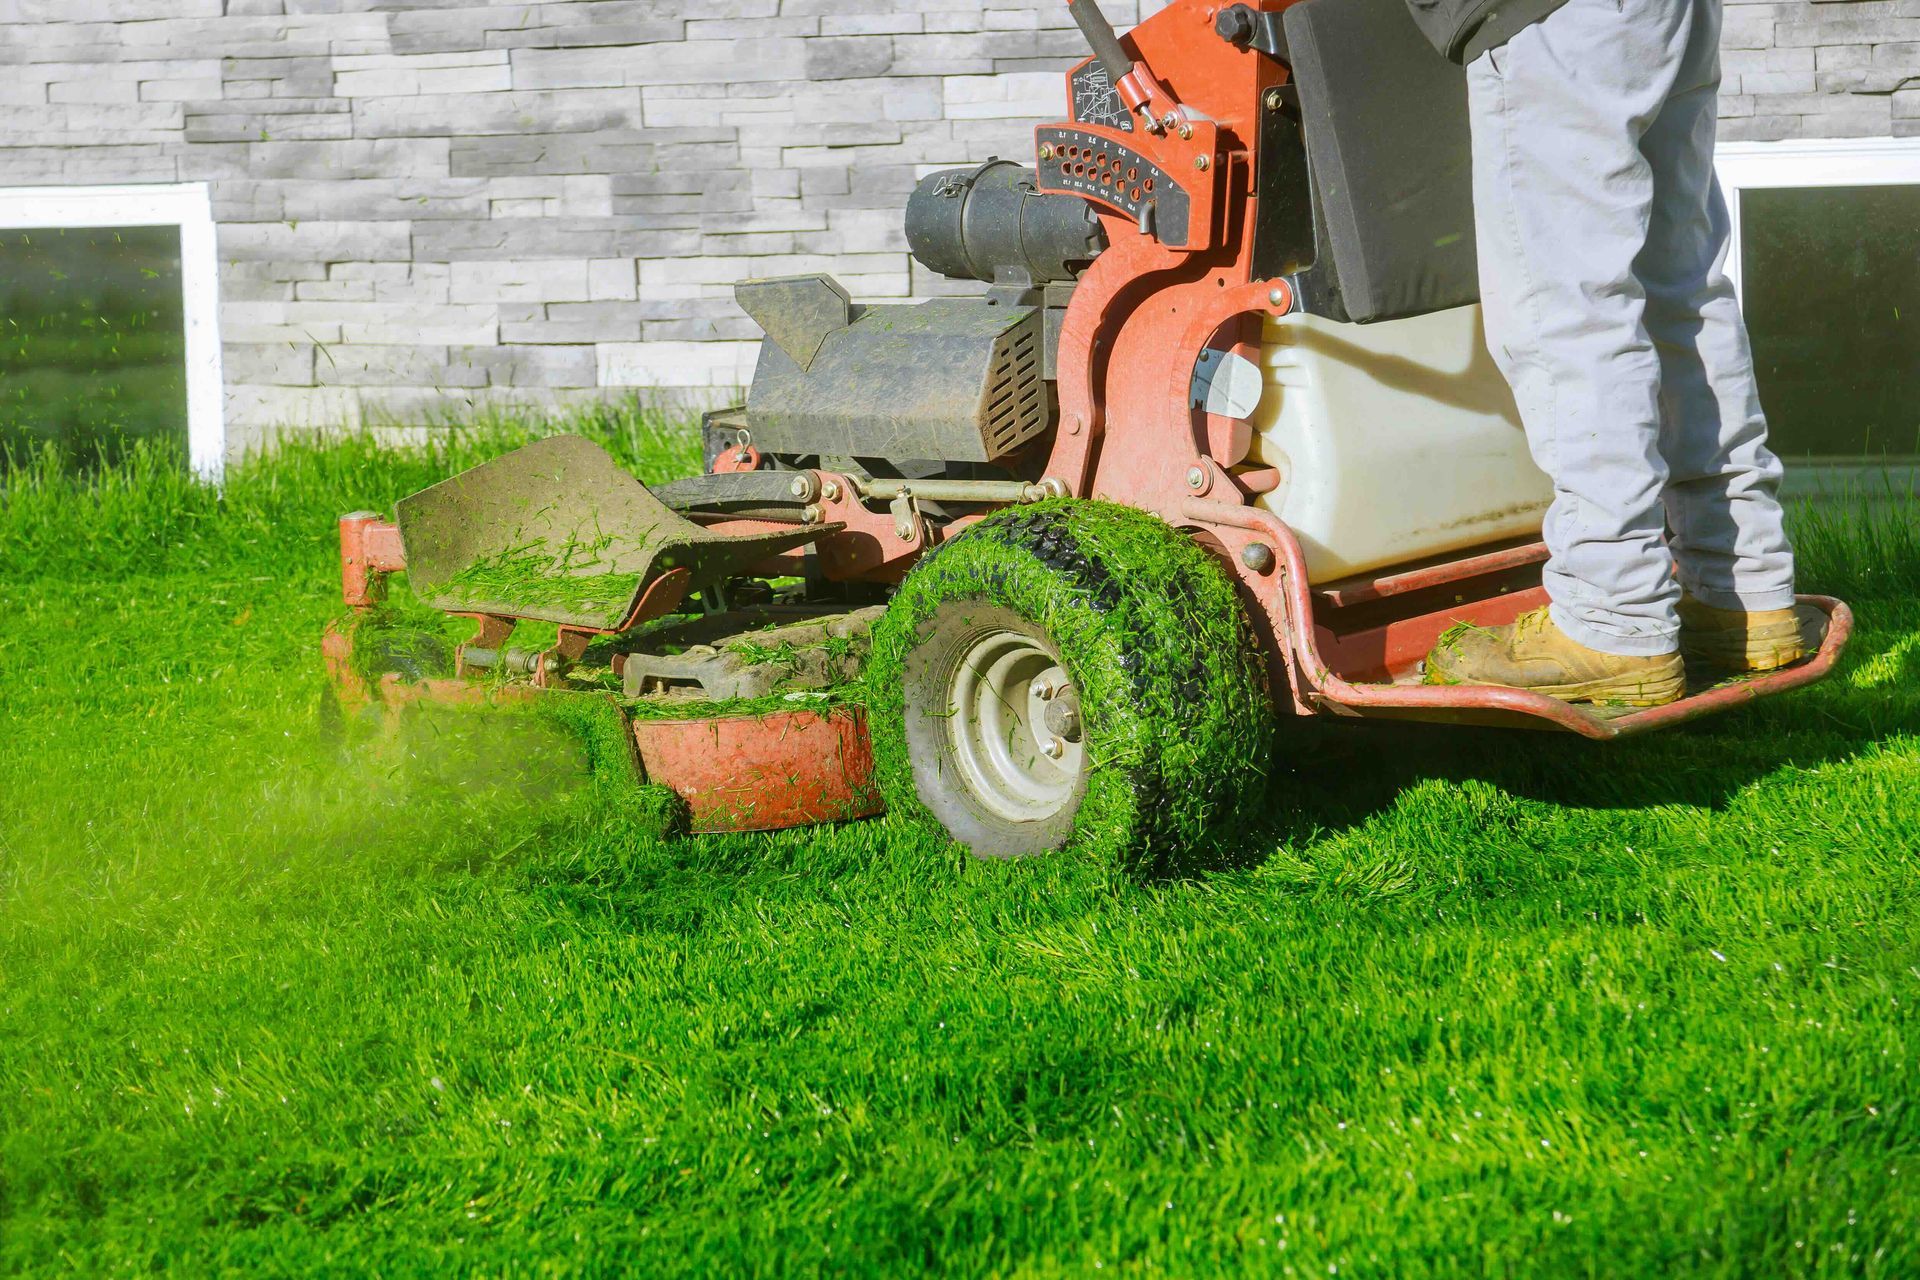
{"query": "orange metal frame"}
(1128, 432)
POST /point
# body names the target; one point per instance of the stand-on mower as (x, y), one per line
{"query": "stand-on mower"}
(1219, 444)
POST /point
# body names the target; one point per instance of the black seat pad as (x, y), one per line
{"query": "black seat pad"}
(1388, 143)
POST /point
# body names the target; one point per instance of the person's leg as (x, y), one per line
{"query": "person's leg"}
(1564, 199)
(1722, 491)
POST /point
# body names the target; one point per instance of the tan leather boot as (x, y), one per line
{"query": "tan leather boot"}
(1738, 641)
(1535, 654)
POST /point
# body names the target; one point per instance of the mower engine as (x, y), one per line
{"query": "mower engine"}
(955, 389)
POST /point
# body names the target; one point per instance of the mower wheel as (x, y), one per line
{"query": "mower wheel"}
(1071, 673)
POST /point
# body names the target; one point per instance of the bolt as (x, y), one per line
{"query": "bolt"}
(830, 490)
(813, 515)
(1197, 478)
(803, 487)
(1054, 749)
(1186, 131)
(1257, 556)
(1277, 298)
(1169, 120)
(1275, 99)
(903, 530)
(1046, 151)
(1202, 163)
(1062, 719)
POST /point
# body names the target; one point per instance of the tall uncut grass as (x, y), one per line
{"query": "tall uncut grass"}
(139, 515)
(279, 998)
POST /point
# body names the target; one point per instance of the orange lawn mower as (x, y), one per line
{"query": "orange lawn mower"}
(1219, 444)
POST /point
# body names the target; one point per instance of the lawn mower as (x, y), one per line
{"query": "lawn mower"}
(1216, 444)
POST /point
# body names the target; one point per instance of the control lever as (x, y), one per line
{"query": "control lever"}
(1100, 35)
(1134, 83)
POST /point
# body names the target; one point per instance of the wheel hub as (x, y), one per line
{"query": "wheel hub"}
(1063, 717)
(1015, 727)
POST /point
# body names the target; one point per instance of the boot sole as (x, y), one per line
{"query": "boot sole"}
(1753, 651)
(1614, 692)
(1741, 659)
(1609, 691)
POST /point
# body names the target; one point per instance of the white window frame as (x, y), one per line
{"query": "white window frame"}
(1820, 162)
(1813, 162)
(189, 206)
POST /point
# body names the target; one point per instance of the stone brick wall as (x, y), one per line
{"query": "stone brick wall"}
(426, 204)
(1820, 69)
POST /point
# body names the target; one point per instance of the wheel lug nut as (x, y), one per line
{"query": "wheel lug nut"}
(1054, 749)
(1042, 689)
(1062, 719)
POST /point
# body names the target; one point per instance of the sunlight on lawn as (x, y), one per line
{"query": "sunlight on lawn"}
(275, 998)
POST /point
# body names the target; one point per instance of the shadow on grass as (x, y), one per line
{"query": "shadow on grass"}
(1332, 778)
(1369, 811)
(1332, 783)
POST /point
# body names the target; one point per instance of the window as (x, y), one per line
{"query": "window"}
(108, 321)
(1826, 255)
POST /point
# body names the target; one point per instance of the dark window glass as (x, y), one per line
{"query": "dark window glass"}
(1831, 278)
(92, 340)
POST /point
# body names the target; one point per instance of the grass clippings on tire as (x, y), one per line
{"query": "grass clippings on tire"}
(1179, 727)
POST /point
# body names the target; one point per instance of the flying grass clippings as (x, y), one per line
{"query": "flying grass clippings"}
(536, 580)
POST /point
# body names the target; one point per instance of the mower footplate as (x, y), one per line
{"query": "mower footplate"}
(1827, 624)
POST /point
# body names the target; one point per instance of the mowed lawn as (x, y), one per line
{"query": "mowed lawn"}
(1471, 1003)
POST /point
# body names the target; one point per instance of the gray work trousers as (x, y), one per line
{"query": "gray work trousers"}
(1603, 238)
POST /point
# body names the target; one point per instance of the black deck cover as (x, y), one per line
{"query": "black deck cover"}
(1386, 128)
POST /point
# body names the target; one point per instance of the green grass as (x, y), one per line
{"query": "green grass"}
(1467, 1003)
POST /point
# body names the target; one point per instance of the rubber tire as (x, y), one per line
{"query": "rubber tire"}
(1177, 724)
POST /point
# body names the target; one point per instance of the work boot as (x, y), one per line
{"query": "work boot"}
(1738, 641)
(1533, 653)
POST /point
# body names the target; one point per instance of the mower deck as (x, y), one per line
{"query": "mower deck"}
(763, 771)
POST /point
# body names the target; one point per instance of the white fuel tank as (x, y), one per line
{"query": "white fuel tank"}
(1394, 441)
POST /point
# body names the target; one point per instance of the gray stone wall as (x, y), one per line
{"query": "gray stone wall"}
(1820, 69)
(426, 204)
